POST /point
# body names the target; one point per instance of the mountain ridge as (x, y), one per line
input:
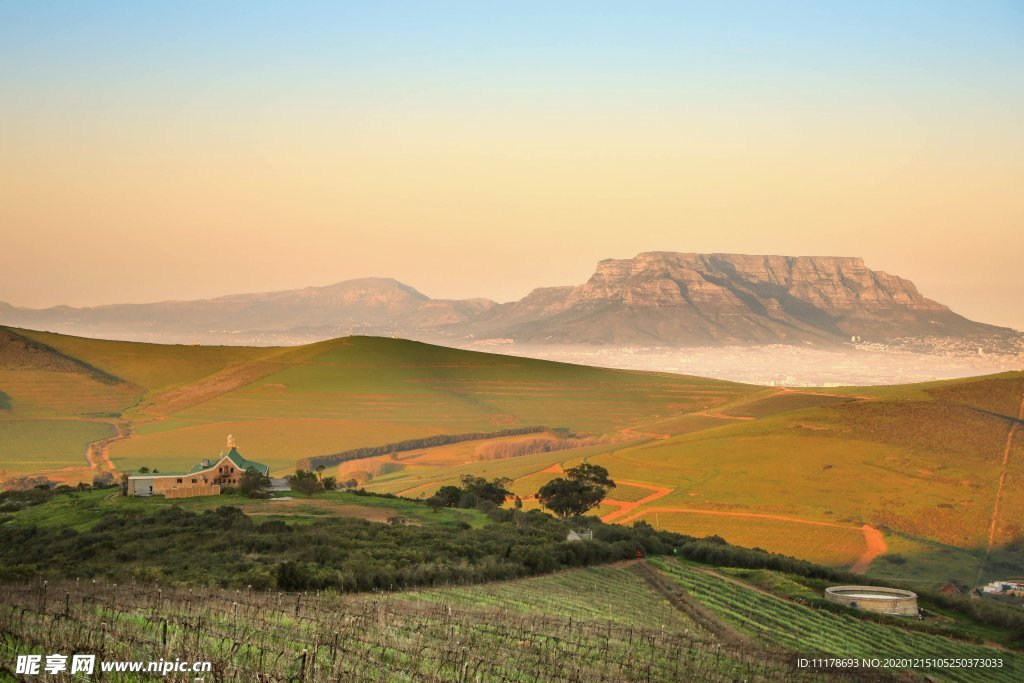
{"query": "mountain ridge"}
(655, 298)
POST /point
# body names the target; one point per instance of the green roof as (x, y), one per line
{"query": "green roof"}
(240, 462)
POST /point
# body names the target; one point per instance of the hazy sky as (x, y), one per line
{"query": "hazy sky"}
(158, 150)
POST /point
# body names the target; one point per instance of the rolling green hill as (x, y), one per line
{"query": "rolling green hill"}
(916, 480)
(178, 403)
(896, 481)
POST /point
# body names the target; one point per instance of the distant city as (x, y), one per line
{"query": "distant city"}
(910, 360)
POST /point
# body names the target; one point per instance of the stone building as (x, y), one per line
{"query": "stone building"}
(205, 479)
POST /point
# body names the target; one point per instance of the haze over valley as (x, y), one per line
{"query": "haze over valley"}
(757, 319)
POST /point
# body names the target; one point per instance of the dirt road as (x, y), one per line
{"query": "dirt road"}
(999, 489)
(626, 507)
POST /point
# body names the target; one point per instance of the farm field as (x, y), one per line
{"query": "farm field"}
(434, 461)
(47, 446)
(920, 467)
(423, 481)
(569, 627)
(833, 545)
(48, 394)
(606, 623)
(840, 633)
(782, 402)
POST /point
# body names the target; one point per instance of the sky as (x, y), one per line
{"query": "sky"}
(178, 150)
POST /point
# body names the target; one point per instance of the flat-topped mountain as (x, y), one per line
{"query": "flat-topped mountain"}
(656, 298)
(686, 299)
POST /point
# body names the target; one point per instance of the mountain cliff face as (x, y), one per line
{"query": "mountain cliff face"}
(670, 298)
(656, 298)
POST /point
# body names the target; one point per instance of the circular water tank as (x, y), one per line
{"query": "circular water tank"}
(875, 599)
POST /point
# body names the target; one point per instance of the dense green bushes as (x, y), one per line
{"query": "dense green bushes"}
(227, 548)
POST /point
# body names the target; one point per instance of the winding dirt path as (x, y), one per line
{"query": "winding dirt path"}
(97, 453)
(626, 507)
(876, 546)
(999, 489)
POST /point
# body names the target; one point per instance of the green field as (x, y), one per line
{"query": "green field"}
(600, 624)
(922, 464)
(284, 404)
(840, 633)
(782, 403)
(84, 510)
(32, 446)
(828, 545)
(606, 624)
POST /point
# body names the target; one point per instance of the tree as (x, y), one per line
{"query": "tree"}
(582, 489)
(253, 481)
(305, 482)
(594, 475)
(493, 490)
(446, 497)
(330, 483)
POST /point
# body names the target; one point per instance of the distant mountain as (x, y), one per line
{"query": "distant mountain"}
(365, 306)
(697, 299)
(656, 298)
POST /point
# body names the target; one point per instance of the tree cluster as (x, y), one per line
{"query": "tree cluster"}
(473, 491)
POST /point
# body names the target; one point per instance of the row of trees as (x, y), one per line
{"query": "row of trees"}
(332, 459)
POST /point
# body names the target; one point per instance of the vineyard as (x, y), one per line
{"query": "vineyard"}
(804, 629)
(546, 629)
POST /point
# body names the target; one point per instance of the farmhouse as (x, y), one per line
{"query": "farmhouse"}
(205, 479)
(1015, 588)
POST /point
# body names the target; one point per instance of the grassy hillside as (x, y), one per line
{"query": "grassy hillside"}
(916, 480)
(153, 367)
(898, 481)
(179, 402)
